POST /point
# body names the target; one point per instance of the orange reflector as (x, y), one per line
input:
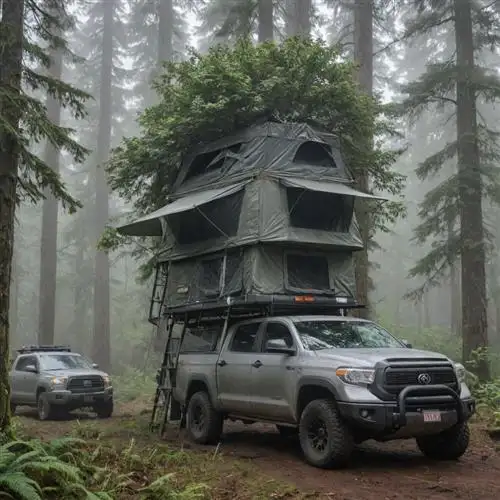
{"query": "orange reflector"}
(341, 372)
(304, 298)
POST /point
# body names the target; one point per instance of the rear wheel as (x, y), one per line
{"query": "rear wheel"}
(450, 444)
(105, 409)
(204, 423)
(324, 438)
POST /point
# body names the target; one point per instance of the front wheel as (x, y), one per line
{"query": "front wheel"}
(12, 409)
(204, 423)
(45, 410)
(104, 410)
(324, 438)
(450, 444)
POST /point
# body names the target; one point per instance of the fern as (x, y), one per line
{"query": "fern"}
(19, 487)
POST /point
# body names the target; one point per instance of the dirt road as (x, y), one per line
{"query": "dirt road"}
(388, 471)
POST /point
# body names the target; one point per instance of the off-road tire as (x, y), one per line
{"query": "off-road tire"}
(320, 424)
(203, 422)
(287, 432)
(105, 409)
(450, 444)
(45, 410)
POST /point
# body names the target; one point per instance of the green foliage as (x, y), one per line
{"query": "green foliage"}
(31, 470)
(212, 95)
(133, 384)
(44, 23)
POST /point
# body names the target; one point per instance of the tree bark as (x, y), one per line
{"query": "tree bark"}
(266, 25)
(298, 22)
(473, 259)
(48, 248)
(101, 338)
(165, 31)
(363, 55)
(11, 54)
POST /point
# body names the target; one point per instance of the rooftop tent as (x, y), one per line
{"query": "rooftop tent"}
(151, 225)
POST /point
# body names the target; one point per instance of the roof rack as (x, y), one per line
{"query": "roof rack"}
(251, 306)
(43, 348)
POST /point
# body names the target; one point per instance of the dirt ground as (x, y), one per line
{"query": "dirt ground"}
(378, 471)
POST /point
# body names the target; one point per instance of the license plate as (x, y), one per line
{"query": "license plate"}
(88, 399)
(432, 416)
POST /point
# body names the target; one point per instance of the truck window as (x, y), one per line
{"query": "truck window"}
(244, 338)
(277, 331)
(25, 361)
(201, 339)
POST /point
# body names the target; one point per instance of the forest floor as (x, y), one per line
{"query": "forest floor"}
(254, 462)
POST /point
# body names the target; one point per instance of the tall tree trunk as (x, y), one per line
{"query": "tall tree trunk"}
(101, 338)
(79, 323)
(165, 31)
(48, 249)
(474, 301)
(11, 55)
(363, 55)
(266, 25)
(14, 291)
(298, 20)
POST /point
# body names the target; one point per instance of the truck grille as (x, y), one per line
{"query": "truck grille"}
(398, 377)
(89, 383)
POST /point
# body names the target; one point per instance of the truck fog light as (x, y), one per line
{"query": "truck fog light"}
(364, 413)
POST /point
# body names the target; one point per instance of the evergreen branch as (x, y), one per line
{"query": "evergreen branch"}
(433, 163)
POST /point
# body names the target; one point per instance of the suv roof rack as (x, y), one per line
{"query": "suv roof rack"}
(251, 306)
(43, 348)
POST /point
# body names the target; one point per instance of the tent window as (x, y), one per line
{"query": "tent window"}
(210, 281)
(233, 275)
(216, 219)
(202, 163)
(316, 210)
(307, 272)
(315, 153)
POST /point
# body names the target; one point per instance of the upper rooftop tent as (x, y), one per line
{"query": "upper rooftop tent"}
(294, 149)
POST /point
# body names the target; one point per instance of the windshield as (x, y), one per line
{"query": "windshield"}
(323, 334)
(63, 362)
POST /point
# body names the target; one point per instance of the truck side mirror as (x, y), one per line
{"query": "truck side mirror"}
(95, 366)
(279, 346)
(407, 344)
(31, 369)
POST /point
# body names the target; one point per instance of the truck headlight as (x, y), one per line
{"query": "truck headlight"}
(107, 381)
(58, 382)
(356, 376)
(460, 372)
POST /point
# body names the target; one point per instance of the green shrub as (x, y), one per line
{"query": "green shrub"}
(133, 384)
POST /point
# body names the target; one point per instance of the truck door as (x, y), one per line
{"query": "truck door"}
(273, 375)
(24, 382)
(233, 368)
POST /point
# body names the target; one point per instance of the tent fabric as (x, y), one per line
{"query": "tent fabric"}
(327, 187)
(263, 269)
(150, 225)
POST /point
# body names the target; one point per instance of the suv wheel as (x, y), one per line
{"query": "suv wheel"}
(204, 423)
(450, 444)
(12, 409)
(105, 409)
(325, 440)
(45, 410)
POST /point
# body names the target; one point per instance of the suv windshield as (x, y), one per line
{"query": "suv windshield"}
(63, 362)
(324, 334)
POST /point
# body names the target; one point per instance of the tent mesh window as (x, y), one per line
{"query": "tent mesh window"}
(316, 210)
(216, 219)
(307, 272)
(204, 162)
(221, 275)
(315, 153)
(210, 279)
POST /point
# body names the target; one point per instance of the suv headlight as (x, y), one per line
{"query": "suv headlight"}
(356, 376)
(58, 382)
(460, 372)
(107, 381)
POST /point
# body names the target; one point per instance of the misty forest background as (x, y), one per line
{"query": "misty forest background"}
(64, 290)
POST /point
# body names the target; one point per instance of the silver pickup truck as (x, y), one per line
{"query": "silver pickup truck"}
(55, 381)
(335, 381)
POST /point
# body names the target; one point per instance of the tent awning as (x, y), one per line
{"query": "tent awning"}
(150, 225)
(327, 187)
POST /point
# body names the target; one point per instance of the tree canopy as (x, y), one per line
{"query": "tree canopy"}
(211, 95)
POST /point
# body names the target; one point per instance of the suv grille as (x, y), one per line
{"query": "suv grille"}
(397, 378)
(89, 383)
